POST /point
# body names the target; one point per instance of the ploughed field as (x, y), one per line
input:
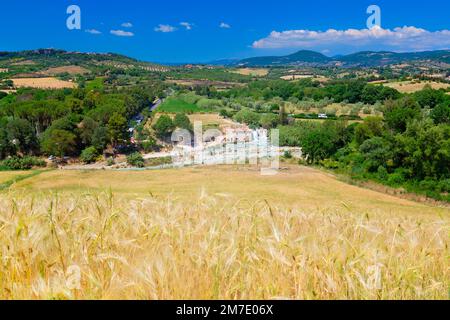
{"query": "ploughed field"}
(216, 233)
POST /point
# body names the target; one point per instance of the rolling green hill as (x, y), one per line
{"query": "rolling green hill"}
(41, 59)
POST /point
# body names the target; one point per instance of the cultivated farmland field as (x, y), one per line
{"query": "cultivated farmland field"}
(411, 86)
(72, 70)
(42, 83)
(217, 233)
(8, 175)
(254, 72)
(174, 105)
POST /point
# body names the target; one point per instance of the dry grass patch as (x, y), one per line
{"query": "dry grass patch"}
(213, 119)
(412, 86)
(294, 77)
(42, 83)
(253, 72)
(72, 70)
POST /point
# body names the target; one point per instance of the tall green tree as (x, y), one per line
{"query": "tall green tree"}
(59, 143)
(164, 126)
(117, 127)
(100, 138)
(399, 112)
(21, 134)
(441, 113)
(182, 121)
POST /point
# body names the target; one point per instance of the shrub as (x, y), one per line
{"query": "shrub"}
(136, 160)
(89, 155)
(287, 155)
(224, 113)
(444, 185)
(330, 164)
(248, 117)
(396, 179)
(269, 121)
(190, 97)
(429, 184)
(382, 173)
(209, 103)
(150, 145)
(110, 162)
(25, 163)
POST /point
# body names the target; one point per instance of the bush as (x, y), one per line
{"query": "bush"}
(150, 145)
(330, 164)
(136, 160)
(110, 162)
(396, 179)
(225, 114)
(269, 121)
(429, 185)
(190, 97)
(382, 173)
(248, 117)
(444, 185)
(287, 155)
(89, 155)
(25, 163)
(209, 103)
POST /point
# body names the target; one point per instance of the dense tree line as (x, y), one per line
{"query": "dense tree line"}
(352, 91)
(66, 122)
(409, 146)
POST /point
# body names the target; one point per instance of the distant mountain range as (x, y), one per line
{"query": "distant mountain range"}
(54, 57)
(362, 59)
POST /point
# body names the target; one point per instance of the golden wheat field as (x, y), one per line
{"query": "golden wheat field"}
(412, 86)
(216, 233)
(254, 72)
(42, 83)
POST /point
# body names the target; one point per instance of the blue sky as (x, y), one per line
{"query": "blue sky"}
(201, 30)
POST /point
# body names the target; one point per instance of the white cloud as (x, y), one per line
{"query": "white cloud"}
(165, 28)
(127, 25)
(121, 33)
(398, 39)
(93, 31)
(224, 25)
(187, 25)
